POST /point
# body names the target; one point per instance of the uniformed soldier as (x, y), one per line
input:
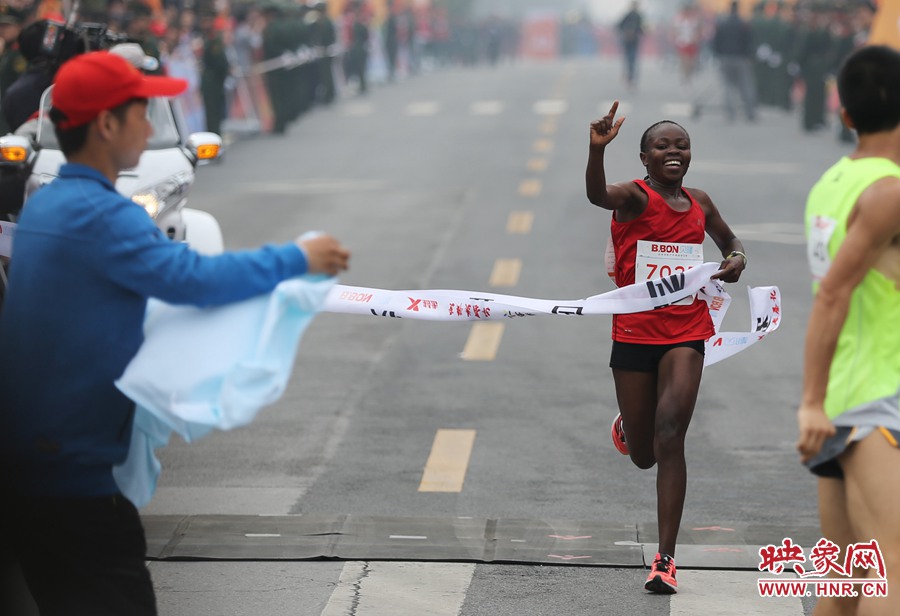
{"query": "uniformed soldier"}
(782, 52)
(12, 62)
(139, 19)
(322, 37)
(299, 76)
(358, 53)
(814, 59)
(23, 98)
(214, 72)
(274, 43)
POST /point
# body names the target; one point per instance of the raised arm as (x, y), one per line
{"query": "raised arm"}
(603, 131)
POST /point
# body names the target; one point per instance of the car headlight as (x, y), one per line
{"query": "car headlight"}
(167, 194)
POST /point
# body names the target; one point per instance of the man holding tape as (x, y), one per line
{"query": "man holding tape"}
(86, 261)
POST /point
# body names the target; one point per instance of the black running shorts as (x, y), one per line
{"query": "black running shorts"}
(646, 357)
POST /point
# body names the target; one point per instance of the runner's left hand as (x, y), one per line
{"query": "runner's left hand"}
(730, 271)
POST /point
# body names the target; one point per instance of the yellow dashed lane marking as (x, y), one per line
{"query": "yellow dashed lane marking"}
(484, 340)
(537, 164)
(506, 273)
(530, 188)
(446, 468)
(548, 127)
(519, 222)
(543, 145)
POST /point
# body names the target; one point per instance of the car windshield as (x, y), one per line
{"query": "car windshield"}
(165, 130)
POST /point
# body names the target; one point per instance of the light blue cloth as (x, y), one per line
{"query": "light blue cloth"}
(201, 369)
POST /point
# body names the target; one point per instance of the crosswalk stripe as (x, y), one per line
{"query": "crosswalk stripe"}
(358, 109)
(604, 106)
(677, 110)
(448, 461)
(554, 106)
(400, 589)
(726, 593)
(486, 108)
(422, 108)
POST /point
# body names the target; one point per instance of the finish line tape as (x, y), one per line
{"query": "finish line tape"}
(453, 305)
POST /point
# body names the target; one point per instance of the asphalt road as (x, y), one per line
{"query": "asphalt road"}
(419, 179)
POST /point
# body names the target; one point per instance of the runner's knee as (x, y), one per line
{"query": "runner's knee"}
(643, 460)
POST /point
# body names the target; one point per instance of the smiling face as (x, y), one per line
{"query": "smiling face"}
(666, 153)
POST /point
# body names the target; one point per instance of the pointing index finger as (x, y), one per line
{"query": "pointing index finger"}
(612, 110)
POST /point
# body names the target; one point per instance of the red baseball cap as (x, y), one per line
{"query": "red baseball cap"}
(97, 81)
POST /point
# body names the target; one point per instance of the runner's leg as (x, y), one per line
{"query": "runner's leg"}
(679, 381)
(636, 394)
(873, 500)
(836, 528)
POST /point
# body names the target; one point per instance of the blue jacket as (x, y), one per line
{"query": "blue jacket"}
(86, 261)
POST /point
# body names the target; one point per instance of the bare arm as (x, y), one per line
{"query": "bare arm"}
(873, 226)
(723, 236)
(603, 131)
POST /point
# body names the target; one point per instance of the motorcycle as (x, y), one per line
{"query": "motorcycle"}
(160, 183)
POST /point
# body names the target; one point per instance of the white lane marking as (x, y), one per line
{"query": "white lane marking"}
(313, 186)
(422, 108)
(199, 500)
(486, 108)
(738, 167)
(407, 537)
(774, 232)
(677, 110)
(251, 535)
(358, 109)
(550, 107)
(726, 593)
(604, 106)
(400, 589)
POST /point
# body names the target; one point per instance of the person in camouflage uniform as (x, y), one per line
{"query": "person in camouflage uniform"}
(275, 41)
(215, 70)
(138, 21)
(814, 58)
(12, 62)
(322, 37)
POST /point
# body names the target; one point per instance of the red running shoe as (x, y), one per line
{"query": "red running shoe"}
(618, 436)
(662, 576)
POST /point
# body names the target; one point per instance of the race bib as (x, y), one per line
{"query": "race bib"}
(661, 259)
(818, 237)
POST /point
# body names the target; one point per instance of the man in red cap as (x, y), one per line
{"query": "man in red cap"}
(87, 259)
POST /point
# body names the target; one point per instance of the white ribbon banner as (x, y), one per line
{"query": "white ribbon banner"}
(452, 305)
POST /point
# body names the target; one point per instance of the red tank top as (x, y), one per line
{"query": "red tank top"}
(660, 223)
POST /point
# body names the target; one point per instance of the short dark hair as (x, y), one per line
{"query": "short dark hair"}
(73, 139)
(645, 138)
(869, 88)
